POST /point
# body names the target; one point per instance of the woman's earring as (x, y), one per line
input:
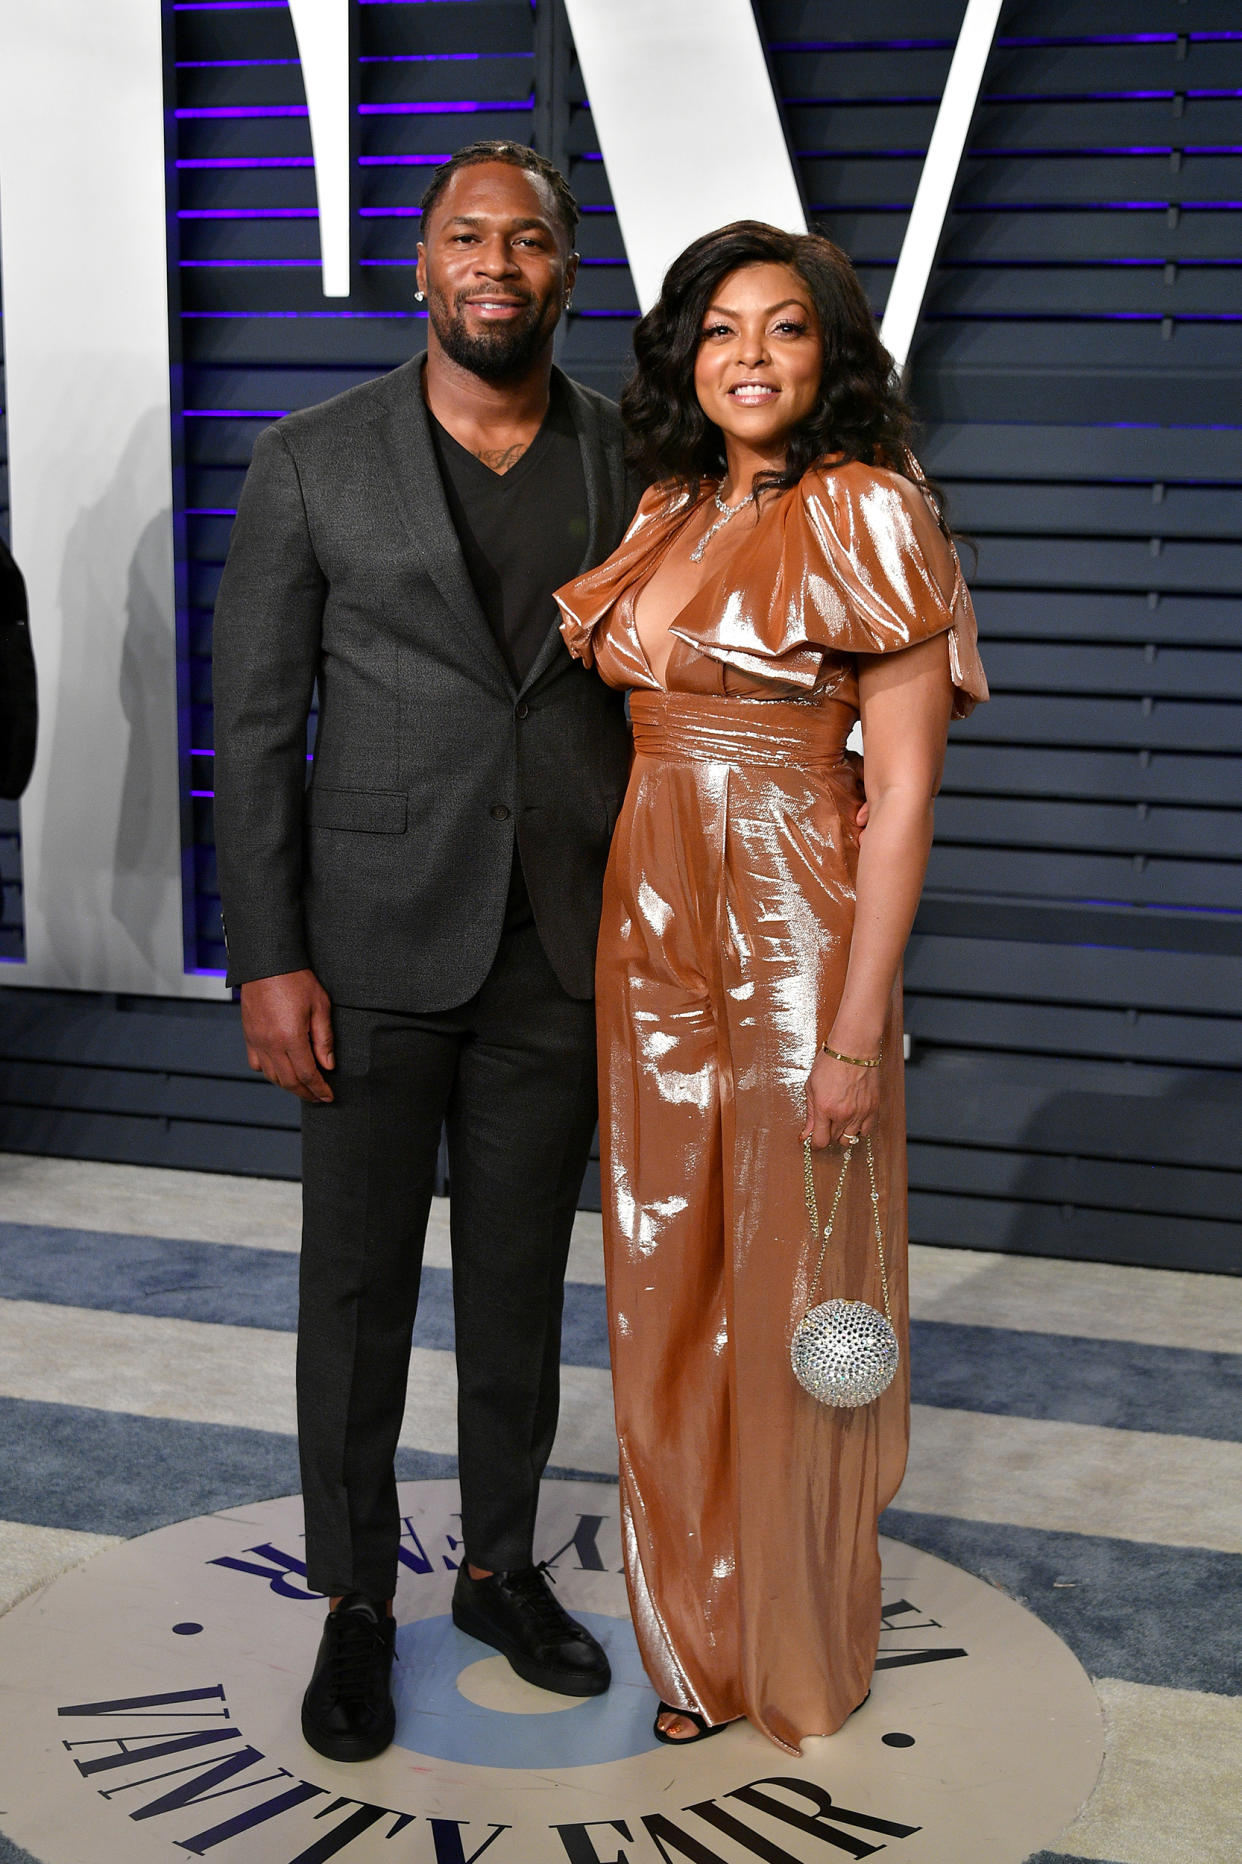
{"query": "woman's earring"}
(419, 296)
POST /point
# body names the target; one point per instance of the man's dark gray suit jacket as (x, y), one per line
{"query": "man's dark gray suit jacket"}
(388, 875)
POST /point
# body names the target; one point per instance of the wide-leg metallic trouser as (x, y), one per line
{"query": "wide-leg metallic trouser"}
(749, 1510)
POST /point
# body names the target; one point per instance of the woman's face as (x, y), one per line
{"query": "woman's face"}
(760, 357)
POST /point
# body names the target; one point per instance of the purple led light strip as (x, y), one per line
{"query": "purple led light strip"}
(1064, 207)
(247, 213)
(394, 316)
(233, 64)
(1118, 148)
(1072, 265)
(441, 109)
(221, 112)
(249, 161)
(234, 414)
(1077, 317)
(1152, 427)
(982, 151)
(1125, 38)
(1079, 97)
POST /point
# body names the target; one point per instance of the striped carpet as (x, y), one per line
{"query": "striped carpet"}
(1077, 1440)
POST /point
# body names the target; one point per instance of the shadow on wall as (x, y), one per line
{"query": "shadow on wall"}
(148, 685)
(109, 875)
(1136, 1178)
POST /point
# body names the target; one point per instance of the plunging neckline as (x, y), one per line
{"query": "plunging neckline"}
(634, 593)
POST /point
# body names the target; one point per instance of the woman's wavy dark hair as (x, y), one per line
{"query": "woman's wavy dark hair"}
(861, 413)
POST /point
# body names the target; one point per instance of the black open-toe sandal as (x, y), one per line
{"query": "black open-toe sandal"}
(701, 1728)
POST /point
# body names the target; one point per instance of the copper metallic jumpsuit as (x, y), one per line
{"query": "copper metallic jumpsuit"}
(749, 1510)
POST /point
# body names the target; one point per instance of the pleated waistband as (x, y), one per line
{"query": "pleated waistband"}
(709, 729)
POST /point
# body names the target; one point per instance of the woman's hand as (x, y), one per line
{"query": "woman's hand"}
(841, 1099)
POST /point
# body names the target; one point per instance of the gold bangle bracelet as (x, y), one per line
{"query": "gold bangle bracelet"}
(855, 1061)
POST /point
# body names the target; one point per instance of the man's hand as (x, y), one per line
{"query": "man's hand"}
(287, 1023)
(855, 760)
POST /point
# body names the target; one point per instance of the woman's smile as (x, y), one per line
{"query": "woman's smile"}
(753, 394)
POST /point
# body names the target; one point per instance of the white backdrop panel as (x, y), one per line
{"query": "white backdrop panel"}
(684, 111)
(322, 30)
(82, 219)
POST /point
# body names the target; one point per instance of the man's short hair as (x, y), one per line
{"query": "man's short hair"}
(517, 155)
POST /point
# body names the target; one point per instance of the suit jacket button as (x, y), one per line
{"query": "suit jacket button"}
(499, 812)
(521, 709)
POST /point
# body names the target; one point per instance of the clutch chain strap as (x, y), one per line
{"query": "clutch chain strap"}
(812, 1207)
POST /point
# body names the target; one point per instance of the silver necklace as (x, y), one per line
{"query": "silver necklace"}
(726, 512)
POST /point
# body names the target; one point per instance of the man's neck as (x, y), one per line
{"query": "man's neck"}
(496, 421)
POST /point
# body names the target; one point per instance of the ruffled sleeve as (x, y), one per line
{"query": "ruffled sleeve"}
(586, 601)
(852, 561)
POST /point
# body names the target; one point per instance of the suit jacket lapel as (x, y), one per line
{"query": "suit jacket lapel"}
(604, 478)
(421, 507)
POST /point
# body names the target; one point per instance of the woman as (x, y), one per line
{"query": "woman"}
(787, 573)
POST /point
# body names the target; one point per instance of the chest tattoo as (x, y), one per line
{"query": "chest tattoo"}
(500, 459)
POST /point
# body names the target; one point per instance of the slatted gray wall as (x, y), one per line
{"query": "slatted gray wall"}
(1077, 978)
(1073, 984)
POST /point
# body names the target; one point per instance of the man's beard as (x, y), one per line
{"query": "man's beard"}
(502, 353)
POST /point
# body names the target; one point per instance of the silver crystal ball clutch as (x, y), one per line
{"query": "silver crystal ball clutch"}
(844, 1353)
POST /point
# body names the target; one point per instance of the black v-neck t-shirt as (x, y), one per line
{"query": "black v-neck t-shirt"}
(523, 532)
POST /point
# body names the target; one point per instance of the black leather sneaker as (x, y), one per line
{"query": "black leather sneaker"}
(517, 1614)
(347, 1711)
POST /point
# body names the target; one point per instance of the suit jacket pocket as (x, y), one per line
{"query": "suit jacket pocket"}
(366, 812)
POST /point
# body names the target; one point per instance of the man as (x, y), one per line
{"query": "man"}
(413, 934)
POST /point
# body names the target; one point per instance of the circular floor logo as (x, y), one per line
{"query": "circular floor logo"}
(153, 1699)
